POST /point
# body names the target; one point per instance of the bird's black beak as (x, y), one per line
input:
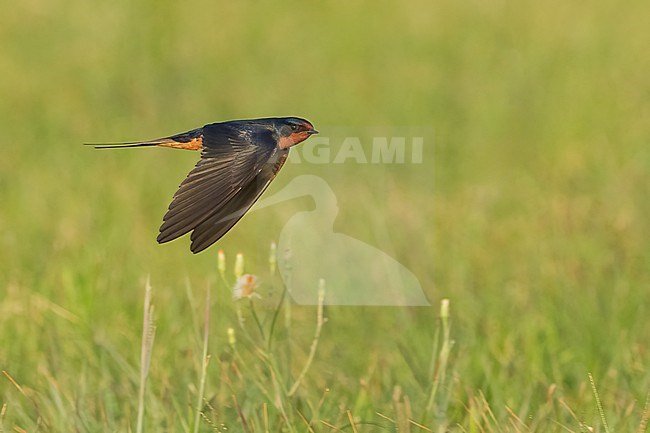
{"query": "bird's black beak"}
(312, 131)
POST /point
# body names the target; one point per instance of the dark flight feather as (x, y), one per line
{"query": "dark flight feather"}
(217, 225)
(236, 165)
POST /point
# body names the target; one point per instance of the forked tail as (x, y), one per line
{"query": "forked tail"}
(191, 140)
(122, 145)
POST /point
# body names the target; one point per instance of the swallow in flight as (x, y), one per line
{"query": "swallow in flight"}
(239, 159)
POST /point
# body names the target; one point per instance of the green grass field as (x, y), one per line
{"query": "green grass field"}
(530, 213)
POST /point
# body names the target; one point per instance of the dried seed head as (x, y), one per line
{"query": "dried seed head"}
(239, 265)
(221, 263)
(273, 260)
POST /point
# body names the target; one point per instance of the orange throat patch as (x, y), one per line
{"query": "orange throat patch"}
(292, 140)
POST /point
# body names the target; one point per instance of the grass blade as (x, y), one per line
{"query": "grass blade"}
(148, 335)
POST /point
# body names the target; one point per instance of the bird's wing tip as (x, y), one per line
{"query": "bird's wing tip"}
(196, 248)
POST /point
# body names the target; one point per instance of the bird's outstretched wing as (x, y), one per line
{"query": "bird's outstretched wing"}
(234, 169)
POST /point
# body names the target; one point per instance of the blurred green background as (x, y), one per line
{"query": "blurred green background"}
(530, 211)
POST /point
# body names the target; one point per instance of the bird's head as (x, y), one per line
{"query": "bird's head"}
(293, 130)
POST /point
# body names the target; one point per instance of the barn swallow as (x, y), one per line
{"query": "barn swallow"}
(239, 159)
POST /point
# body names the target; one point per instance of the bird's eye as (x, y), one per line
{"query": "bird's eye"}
(294, 127)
